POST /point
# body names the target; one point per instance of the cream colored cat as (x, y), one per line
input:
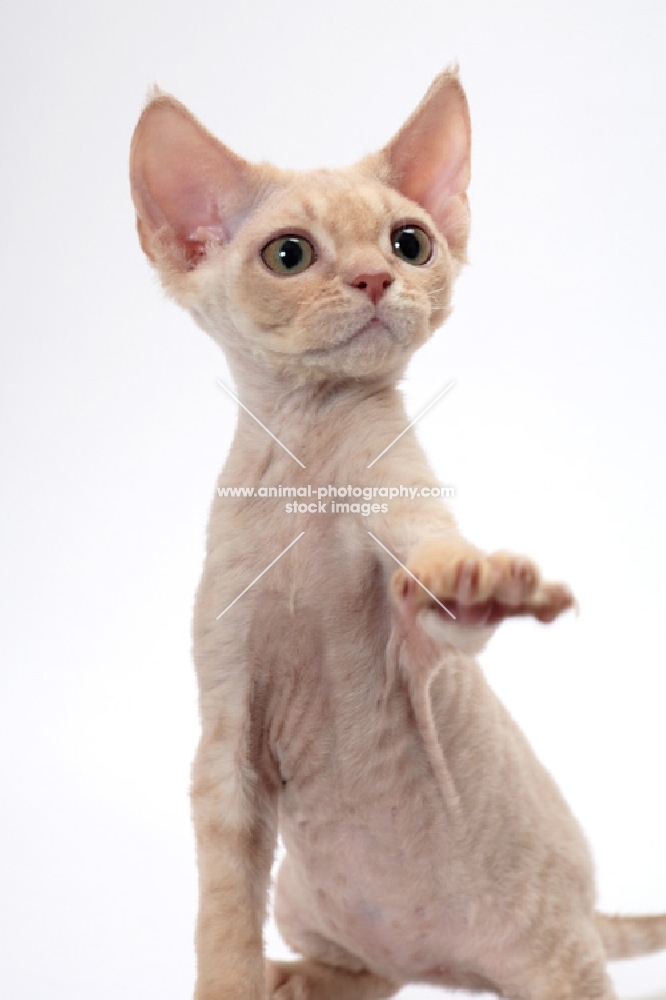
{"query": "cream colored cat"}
(424, 840)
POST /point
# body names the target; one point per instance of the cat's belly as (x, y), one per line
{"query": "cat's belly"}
(381, 896)
(368, 859)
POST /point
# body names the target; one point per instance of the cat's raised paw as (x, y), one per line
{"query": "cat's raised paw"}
(477, 589)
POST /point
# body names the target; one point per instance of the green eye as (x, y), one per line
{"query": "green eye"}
(412, 244)
(288, 255)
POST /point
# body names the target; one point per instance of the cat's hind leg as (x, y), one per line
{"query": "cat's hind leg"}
(313, 980)
(571, 967)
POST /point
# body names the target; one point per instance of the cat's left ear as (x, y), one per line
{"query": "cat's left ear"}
(429, 160)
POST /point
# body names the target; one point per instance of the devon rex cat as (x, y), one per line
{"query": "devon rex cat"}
(340, 697)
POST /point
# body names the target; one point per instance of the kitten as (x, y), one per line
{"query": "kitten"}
(339, 695)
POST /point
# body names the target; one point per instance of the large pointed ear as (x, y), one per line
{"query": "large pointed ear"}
(429, 159)
(188, 189)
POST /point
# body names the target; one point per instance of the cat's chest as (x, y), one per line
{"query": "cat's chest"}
(353, 764)
(352, 777)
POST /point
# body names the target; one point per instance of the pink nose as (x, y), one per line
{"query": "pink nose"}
(374, 285)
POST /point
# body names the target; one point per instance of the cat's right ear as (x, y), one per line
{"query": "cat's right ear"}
(188, 189)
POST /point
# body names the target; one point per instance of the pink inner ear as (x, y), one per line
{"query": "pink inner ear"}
(188, 188)
(439, 169)
(429, 158)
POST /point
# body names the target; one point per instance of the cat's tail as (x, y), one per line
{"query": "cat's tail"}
(629, 937)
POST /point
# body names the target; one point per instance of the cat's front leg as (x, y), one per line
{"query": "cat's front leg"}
(236, 829)
(473, 592)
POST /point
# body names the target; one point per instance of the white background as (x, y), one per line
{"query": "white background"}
(115, 428)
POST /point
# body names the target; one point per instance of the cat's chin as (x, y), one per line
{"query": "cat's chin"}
(374, 333)
(372, 350)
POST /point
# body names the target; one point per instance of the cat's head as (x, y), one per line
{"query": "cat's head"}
(317, 273)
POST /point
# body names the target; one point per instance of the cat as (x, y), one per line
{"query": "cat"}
(339, 692)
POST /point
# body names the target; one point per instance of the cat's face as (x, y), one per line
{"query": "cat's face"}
(334, 274)
(318, 274)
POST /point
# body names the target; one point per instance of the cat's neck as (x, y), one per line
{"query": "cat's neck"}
(314, 418)
(282, 397)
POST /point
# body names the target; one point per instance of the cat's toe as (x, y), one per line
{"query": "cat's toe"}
(517, 578)
(474, 580)
(550, 600)
(295, 989)
(408, 591)
(285, 982)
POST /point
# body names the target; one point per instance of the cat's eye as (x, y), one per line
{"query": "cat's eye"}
(288, 254)
(412, 244)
